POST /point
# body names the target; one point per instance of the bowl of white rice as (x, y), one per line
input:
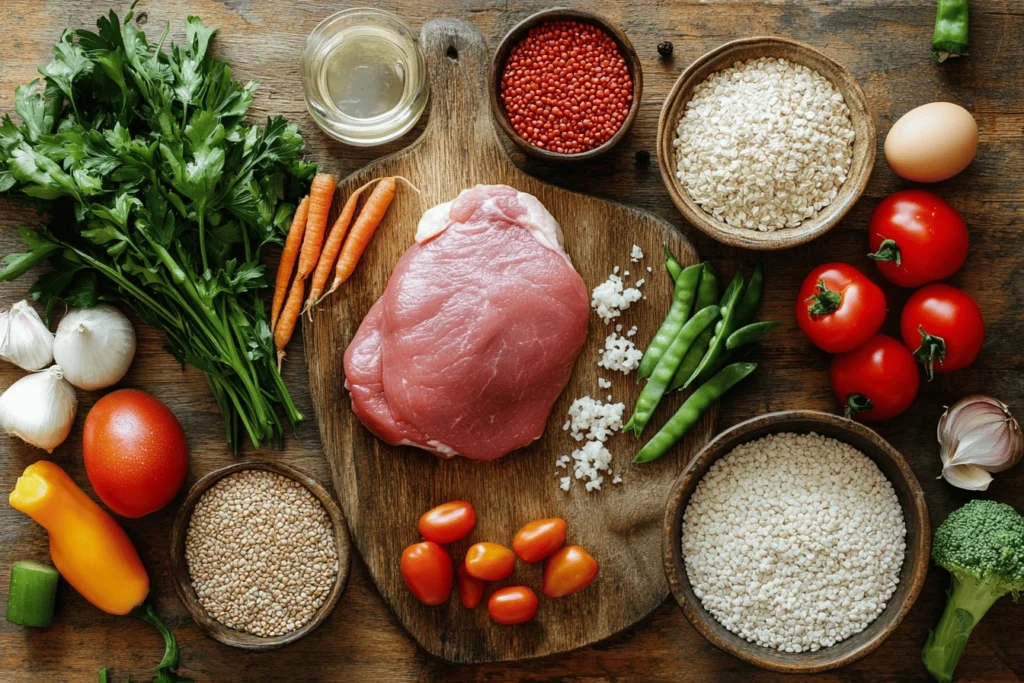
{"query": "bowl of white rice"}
(796, 541)
(765, 143)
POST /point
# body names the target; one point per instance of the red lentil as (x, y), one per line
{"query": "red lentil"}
(566, 88)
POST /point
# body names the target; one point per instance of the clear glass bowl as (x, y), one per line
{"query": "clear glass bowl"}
(364, 76)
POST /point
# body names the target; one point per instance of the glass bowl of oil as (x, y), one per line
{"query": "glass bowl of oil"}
(364, 76)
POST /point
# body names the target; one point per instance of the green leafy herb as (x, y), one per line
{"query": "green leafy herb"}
(162, 197)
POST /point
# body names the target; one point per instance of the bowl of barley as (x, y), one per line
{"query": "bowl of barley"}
(765, 143)
(259, 554)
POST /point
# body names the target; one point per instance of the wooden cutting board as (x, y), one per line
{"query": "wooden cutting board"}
(384, 489)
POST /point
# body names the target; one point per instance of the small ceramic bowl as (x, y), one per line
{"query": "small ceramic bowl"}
(915, 561)
(512, 39)
(183, 582)
(798, 53)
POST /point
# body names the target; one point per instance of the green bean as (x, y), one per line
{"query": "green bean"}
(682, 304)
(692, 409)
(749, 333)
(746, 309)
(666, 367)
(708, 294)
(672, 264)
(723, 328)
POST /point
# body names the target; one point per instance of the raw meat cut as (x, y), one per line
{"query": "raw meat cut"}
(476, 333)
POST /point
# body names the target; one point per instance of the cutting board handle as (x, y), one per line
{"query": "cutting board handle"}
(458, 63)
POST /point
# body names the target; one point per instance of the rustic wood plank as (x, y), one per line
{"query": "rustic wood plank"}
(884, 44)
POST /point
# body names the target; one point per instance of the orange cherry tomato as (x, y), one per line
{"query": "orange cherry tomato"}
(448, 522)
(490, 561)
(539, 539)
(471, 589)
(570, 569)
(427, 571)
(512, 605)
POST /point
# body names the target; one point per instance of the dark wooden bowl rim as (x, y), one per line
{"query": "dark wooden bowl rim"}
(513, 37)
(912, 574)
(183, 584)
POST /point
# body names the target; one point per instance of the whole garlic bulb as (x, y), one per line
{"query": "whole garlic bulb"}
(24, 338)
(95, 346)
(39, 408)
(977, 436)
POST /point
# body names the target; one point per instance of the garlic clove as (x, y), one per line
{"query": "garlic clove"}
(969, 477)
(25, 340)
(39, 408)
(983, 444)
(95, 346)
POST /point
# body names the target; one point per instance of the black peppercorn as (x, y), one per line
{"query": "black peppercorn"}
(643, 157)
(665, 48)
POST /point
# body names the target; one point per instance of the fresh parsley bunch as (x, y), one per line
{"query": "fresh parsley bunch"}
(162, 197)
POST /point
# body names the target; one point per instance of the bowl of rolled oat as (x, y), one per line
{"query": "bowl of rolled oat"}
(259, 554)
(765, 143)
(797, 541)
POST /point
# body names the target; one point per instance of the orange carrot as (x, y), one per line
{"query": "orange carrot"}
(365, 226)
(321, 194)
(332, 246)
(289, 316)
(288, 257)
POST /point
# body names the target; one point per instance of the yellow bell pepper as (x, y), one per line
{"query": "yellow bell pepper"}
(90, 550)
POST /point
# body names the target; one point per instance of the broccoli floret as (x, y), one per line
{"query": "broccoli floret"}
(982, 546)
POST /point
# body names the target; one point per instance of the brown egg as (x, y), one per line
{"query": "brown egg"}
(932, 143)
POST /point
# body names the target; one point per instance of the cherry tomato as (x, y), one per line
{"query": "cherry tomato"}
(471, 589)
(427, 571)
(539, 539)
(569, 570)
(490, 561)
(945, 327)
(512, 605)
(838, 308)
(916, 237)
(448, 522)
(877, 381)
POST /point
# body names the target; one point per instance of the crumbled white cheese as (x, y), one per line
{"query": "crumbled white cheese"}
(594, 421)
(603, 383)
(610, 298)
(620, 354)
(632, 331)
(635, 254)
(640, 282)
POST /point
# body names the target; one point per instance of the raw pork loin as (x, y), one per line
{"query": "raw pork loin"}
(476, 333)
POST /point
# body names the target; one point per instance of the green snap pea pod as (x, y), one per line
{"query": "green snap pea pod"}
(666, 367)
(746, 309)
(950, 39)
(749, 333)
(672, 264)
(708, 294)
(682, 303)
(723, 328)
(692, 409)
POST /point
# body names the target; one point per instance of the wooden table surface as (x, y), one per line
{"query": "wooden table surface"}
(885, 43)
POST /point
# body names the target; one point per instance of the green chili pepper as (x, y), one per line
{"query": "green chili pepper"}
(746, 309)
(749, 333)
(682, 304)
(672, 264)
(666, 368)
(723, 328)
(950, 37)
(692, 409)
(708, 294)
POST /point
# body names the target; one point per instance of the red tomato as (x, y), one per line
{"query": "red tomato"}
(569, 570)
(877, 381)
(471, 589)
(539, 539)
(512, 605)
(916, 237)
(448, 522)
(838, 308)
(490, 561)
(427, 571)
(945, 327)
(135, 452)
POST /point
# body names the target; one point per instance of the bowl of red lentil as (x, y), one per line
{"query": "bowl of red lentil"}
(259, 554)
(565, 85)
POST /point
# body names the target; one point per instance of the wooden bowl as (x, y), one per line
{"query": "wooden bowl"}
(183, 583)
(512, 39)
(751, 48)
(915, 562)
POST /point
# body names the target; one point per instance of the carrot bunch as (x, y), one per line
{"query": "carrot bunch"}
(305, 244)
